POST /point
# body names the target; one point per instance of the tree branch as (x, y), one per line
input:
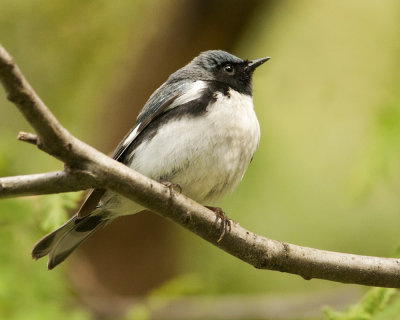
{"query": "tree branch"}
(88, 167)
(46, 183)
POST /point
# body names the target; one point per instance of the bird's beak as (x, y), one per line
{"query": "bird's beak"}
(253, 64)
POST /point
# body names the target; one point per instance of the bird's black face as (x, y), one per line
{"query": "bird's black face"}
(235, 72)
(235, 75)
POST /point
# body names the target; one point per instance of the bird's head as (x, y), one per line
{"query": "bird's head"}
(221, 66)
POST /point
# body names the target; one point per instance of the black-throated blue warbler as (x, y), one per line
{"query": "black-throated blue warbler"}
(198, 130)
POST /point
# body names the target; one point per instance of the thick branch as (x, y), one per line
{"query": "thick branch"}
(99, 170)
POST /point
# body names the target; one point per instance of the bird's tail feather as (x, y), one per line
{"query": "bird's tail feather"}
(60, 243)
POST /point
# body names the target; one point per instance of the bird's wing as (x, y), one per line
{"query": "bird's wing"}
(160, 101)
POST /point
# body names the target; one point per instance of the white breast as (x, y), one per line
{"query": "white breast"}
(207, 155)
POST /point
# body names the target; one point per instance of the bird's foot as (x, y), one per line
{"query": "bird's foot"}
(172, 186)
(225, 221)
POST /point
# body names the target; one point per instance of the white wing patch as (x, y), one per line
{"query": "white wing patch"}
(193, 93)
(131, 136)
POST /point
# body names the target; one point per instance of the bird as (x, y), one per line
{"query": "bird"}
(198, 131)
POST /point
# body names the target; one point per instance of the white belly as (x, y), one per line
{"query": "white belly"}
(206, 155)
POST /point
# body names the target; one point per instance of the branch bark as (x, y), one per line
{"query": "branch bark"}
(46, 183)
(87, 168)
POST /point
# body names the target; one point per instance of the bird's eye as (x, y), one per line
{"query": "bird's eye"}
(229, 69)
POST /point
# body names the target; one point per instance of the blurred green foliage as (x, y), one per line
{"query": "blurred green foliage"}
(326, 175)
(27, 290)
(380, 162)
(378, 303)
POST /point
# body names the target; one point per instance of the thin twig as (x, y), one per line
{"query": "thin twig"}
(90, 168)
(28, 137)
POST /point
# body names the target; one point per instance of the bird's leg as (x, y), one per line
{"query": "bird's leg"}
(172, 186)
(225, 221)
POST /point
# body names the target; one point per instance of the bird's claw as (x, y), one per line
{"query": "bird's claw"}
(172, 186)
(225, 221)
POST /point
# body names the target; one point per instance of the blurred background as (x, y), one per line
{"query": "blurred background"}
(326, 174)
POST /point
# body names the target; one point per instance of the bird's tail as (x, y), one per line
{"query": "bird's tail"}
(60, 243)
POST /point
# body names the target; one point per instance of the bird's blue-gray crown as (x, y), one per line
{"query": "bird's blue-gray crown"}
(212, 59)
